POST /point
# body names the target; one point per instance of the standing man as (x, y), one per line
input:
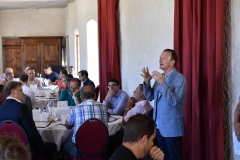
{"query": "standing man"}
(139, 134)
(89, 108)
(168, 92)
(31, 78)
(50, 75)
(83, 76)
(142, 106)
(116, 100)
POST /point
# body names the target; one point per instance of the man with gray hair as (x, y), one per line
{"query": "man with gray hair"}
(13, 109)
(89, 108)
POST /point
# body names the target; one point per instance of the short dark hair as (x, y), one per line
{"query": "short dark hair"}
(30, 68)
(64, 71)
(174, 55)
(76, 80)
(10, 86)
(83, 73)
(113, 80)
(68, 77)
(137, 126)
(23, 77)
(47, 67)
(70, 67)
(87, 92)
(63, 68)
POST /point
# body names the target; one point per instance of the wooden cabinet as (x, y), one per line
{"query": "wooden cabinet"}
(38, 52)
(35, 52)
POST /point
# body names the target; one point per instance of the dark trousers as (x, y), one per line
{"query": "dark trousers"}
(48, 151)
(171, 146)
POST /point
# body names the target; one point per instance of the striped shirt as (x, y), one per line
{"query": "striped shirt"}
(87, 109)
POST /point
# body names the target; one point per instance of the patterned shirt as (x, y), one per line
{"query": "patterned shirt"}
(87, 109)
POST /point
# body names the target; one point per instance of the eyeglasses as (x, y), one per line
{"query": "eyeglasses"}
(113, 85)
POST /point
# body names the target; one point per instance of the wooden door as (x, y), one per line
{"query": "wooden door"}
(13, 55)
(41, 51)
(32, 55)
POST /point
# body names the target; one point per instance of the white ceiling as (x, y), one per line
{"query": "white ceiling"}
(32, 4)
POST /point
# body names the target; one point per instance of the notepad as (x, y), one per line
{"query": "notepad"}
(42, 124)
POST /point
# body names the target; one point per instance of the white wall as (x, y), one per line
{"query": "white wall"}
(31, 22)
(235, 57)
(79, 13)
(146, 30)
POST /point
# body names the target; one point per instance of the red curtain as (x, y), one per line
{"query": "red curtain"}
(108, 32)
(198, 30)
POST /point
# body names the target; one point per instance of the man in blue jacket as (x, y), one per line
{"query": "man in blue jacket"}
(168, 92)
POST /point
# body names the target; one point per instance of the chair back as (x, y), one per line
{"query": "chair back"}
(11, 128)
(92, 138)
(97, 89)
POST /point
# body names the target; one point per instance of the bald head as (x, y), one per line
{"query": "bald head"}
(87, 92)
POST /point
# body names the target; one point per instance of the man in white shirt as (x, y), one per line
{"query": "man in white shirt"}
(26, 90)
(31, 78)
(71, 71)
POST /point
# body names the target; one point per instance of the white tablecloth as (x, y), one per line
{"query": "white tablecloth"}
(59, 134)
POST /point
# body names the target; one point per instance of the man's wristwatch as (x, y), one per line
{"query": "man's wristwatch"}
(127, 109)
(75, 97)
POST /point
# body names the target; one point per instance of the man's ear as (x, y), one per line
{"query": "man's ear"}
(172, 62)
(143, 140)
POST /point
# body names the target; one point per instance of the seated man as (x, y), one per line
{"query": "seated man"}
(31, 78)
(26, 67)
(2, 98)
(50, 75)
(142, 106)
(9, 75)
(66, 80)
(13, 109)
(62, 74)
(138, 138)
(89, 108)
(116, 100)
(27, 90)
(67, 94)
(83, 76)
(72, 71)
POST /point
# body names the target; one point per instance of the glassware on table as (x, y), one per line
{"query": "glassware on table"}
(51, 111)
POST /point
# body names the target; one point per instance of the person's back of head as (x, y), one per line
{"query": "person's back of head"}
(23, 77)
(12, 85)
(87, 92)
(138, 126)
(12, 148)
(68, 77)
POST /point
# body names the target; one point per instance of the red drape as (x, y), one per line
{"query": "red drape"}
(108, 31)
(198, 30)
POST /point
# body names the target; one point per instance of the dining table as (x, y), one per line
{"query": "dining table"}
(56, 132)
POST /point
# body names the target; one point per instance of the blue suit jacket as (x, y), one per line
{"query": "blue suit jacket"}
(168, 104)
(19, 113)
